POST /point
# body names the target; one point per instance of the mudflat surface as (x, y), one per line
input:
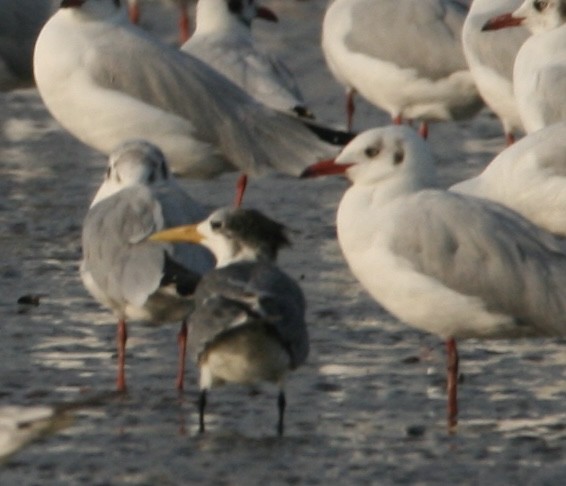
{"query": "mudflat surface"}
(367, 408)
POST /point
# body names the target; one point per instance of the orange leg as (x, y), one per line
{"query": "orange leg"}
(241, 185)
(121, 338)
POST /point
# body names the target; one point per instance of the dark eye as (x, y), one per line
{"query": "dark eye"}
(540, 5)
(216, 225)
(117, 3)
(398, 156)
(371, 152)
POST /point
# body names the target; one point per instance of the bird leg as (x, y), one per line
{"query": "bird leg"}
(423, 130)
(201, 406)
(509, 139)
(241, 185)
(182, 344)
(452, 382)
(134, 13)
(350, 107)
(121, 338)
(281, 404)
(184, 25)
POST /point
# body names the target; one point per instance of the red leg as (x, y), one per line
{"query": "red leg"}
(397, 120)
(452, 382)
(182, 344)
(350, 107)
(134, 13)
(240, 189)
(184, 25)
(423, 130)
(509, 139)
(121, 338)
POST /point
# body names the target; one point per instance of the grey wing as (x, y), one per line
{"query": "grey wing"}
(485, 250)
(241, 293)
(247, 133)
(124, 267)
(429, 42)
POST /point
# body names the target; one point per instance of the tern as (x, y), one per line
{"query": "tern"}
(248, 325)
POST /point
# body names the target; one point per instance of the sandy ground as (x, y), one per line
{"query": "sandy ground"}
(367, 408)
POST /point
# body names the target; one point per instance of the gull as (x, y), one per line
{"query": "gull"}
(490, 57)
(223, 39)
(528, 177)
(107, 81)
(248, 325)
(184, 20)
(20, 23)
(403, 56)
(540, 65)
(453, 265)
(137, 279)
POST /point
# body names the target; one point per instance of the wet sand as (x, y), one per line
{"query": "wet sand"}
(367, 408)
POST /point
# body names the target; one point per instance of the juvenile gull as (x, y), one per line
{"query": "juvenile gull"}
(249, 320)
(403, 56)
(453, 265)
(135, 278)
(223, 39)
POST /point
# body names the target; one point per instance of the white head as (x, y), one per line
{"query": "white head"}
(232, 234)
(542, 15)
(133, 162)
(389, 153)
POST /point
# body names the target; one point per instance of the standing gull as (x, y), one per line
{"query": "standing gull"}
(135, 278)
(249, 320)
(490, 57)
(539, 81)
(107, 81)
(223, 39)
(453, 265)
(403, 56)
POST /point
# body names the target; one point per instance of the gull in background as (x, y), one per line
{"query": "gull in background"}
(490, 57)
(223, 39)
(248, 325)
(528, 177)
(403, 56)
(453, 265)
(107, 81)
(540, 67)
(137, 279)
(20, 23)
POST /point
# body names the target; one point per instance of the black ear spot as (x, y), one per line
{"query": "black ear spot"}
(398, 156)
(216, 225)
